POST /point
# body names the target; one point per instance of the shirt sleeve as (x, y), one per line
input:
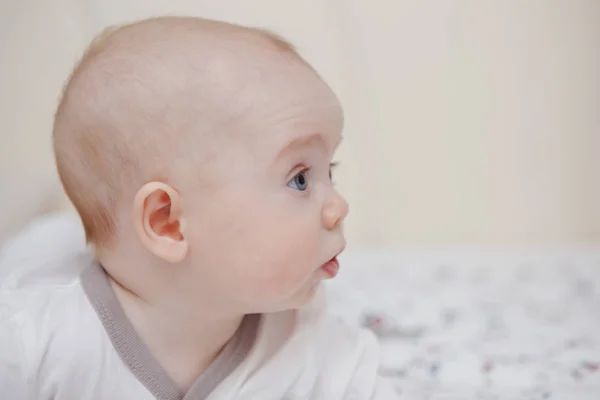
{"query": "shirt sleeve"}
(384, 390)
(13, 375)
(366, 382)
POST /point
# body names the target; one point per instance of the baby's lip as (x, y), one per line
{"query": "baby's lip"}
(331, 268)
(332, 265)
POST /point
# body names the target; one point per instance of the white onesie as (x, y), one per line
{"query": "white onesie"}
(64, 336)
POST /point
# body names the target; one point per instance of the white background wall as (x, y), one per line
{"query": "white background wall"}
(468, 121)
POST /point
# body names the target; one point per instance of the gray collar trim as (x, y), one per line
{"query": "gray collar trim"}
(138, 358)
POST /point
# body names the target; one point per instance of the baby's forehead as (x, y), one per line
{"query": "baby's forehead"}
(266, 141)
(268, 105)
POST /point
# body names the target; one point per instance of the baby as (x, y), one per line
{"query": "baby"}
(198, 156)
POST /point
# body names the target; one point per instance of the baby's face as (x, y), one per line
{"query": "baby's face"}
(267, 218)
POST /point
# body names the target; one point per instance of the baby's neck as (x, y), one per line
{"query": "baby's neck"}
(184, 349)
(184, 339)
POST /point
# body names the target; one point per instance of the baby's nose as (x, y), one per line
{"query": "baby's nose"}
(335, 210)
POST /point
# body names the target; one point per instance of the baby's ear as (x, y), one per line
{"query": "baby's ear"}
(157, 219)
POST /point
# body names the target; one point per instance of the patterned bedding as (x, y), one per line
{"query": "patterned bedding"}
(479, 324)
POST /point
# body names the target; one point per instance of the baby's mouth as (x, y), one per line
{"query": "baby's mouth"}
(331, 268)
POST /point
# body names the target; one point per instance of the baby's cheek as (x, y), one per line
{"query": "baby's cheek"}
(280, 279)
(286, 271)
(277, 252)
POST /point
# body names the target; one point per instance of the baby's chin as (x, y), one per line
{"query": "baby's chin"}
(306, 294)
(300, 298)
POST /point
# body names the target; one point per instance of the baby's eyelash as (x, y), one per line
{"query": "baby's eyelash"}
(332, 167)
(305, 170)
(308, 170)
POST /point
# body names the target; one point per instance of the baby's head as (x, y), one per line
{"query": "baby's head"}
(197, 154)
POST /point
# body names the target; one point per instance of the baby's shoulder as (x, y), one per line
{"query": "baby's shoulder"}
(48, 335)
(331, 333)
(331, 357)
(47, 323)
(341, 344)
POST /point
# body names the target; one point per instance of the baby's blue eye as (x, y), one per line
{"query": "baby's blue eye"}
(299, 182)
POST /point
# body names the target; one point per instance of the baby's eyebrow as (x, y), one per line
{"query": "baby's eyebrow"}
(302, 142)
